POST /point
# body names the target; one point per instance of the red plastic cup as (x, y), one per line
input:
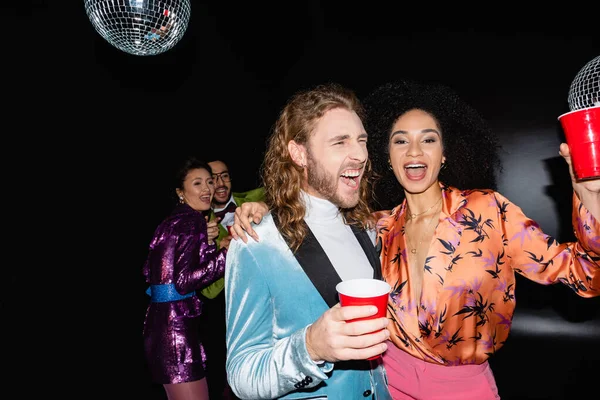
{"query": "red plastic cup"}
(365, 292)
(582, 131)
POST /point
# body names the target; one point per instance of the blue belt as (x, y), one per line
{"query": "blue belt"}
(166, 292)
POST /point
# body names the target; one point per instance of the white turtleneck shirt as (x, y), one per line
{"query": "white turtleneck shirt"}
(336, 238)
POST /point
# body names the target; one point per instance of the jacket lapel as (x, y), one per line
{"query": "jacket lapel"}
(318, 267)
(369, 249)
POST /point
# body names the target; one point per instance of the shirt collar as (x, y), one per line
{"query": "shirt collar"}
(227, 204)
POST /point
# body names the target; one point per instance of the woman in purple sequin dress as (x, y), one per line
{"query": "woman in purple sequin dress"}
(183, 258)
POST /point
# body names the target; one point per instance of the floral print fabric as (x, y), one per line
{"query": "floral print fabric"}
(468, 297)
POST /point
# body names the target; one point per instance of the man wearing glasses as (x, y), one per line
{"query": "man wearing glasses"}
(213, 314)
(225, 201)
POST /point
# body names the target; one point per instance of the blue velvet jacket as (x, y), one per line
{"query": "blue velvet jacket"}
(270, 301)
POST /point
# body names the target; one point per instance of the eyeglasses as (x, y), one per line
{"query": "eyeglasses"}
(224, 176)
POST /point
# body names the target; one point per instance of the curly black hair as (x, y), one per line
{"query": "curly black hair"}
(470, 147)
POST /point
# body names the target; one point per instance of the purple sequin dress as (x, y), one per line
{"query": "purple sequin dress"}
(179, 255)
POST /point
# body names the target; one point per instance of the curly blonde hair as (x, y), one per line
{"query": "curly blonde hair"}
(282, 177)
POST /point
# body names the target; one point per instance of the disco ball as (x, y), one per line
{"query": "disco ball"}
(140, 27)
(585, 88)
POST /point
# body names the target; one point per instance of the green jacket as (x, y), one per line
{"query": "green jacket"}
(258, 194)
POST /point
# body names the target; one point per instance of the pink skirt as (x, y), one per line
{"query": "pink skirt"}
(412, 378)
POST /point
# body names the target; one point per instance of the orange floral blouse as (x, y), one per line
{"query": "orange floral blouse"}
(468, 298)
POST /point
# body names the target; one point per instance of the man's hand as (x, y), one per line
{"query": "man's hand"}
(332, 339)
(246, 214)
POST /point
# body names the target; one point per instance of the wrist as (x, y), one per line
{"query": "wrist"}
(311, 353)
(590, 200)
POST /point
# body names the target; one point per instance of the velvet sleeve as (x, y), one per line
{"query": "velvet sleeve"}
(259, 365)
(197, 263)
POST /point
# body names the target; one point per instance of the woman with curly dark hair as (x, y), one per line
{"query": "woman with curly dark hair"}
(473, 154)
(451, 246)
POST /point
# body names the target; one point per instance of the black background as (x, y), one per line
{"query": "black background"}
(96, 131)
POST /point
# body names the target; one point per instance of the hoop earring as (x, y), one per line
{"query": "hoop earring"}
(390, 165)
(443, 166)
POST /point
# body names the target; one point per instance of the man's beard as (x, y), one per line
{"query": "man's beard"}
(326, 184)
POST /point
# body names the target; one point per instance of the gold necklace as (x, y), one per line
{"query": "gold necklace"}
(413, 216)
(413, 250)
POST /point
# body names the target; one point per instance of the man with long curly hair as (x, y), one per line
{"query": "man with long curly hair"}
(286, 332)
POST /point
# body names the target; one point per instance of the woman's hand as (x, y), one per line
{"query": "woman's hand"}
(588, 191)
(245, 215)
(224, 243)
(212, 228)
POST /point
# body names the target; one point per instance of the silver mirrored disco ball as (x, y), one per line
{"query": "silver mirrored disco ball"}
(585, 88)
(140, 27)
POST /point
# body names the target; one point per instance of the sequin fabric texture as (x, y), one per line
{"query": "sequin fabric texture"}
(179, 254)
